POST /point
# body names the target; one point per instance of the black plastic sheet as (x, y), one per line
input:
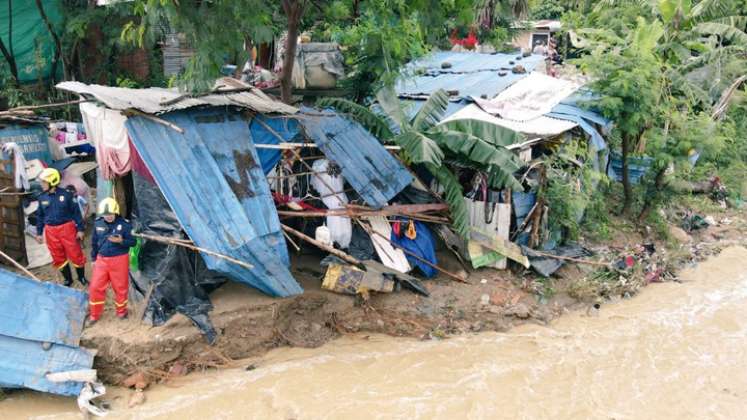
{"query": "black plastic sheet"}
(176, 278)
(545, 265)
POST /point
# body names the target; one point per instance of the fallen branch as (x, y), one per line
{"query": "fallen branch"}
(321, 245)
(19, 266)
(182, 243)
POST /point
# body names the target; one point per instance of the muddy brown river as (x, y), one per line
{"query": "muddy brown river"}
(675, 351)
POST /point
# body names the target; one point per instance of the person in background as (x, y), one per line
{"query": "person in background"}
(539, 48)
(112, 240)
(80, 201)
(60, 222)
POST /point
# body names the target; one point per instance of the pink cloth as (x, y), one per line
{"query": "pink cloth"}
(138, 165)
(106, 131)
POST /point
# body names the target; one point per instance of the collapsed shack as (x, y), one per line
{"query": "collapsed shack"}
(191, 170)
(538, 117)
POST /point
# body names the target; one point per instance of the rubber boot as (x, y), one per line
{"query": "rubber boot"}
(81, 271)
(67, 275)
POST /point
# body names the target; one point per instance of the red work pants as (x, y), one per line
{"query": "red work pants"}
(114, 270)
(63, 245)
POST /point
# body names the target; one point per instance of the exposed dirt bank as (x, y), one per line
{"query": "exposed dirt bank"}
(249, 323)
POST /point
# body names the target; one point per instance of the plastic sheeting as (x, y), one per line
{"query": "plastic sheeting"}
(423, 246)
(366, 165)
(211, 177)
(179, 281)
(331, 189)
(31, 38)
(266, 131)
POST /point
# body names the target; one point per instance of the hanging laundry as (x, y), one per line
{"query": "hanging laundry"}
(423, 246)
(325, 178)
(21, 178)
(106, 130)
(138, 165)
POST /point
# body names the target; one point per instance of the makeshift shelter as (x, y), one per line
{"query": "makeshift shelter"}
(199, 167)
(529, 109)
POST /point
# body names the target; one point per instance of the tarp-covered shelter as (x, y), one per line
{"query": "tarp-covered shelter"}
(196, 167)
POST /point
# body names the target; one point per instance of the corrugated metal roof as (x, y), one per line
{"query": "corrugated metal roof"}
(366, 165)
(541, 126)
(471, 74)
(154, 100)
(32, 310)
(212, 179)
(524, 105)
(33, 313)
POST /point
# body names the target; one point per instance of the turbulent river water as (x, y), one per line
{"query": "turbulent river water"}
(676, 351)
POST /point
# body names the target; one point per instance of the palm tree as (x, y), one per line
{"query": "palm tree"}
(478, 145)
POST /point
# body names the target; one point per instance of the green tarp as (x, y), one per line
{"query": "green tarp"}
(32, 45)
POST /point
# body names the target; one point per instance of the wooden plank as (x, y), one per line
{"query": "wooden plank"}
(501, 246)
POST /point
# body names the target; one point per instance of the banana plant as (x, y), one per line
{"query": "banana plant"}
(425, 141)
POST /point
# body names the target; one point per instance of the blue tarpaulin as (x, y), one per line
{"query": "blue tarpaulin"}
(33, 313)
(367, 166)
(266, 131)
(33, 140)
(212, 179)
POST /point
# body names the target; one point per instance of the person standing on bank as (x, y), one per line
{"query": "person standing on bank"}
(112, 240)
(60, 222)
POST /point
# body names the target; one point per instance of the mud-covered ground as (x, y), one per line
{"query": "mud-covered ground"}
(250, 323)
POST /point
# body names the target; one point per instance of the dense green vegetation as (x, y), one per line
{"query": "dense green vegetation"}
(670, 74)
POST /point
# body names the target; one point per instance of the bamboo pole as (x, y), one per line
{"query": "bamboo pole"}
(19, 266)
(320, 245)
(182, 243)
(57, 105)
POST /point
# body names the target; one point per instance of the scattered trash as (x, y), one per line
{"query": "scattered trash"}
(88, 393)
(250, 367)
(484, 281)
(484, 299)
(546, 265)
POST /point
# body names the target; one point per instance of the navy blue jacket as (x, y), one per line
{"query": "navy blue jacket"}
(101, 245)
(56, 208)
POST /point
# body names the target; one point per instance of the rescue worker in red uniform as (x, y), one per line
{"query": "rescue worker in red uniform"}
(59, 219)
(112, 239)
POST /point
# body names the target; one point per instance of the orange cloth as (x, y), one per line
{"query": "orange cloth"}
(63, 245)
(114, 270)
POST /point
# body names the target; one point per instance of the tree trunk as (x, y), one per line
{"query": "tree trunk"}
(293, 10)
(653, 194)
(57, 43)
(627, 188)
(8, 51)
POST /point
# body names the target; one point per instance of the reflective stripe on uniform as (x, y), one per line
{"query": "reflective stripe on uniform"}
(96, 303)
(120, 304)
